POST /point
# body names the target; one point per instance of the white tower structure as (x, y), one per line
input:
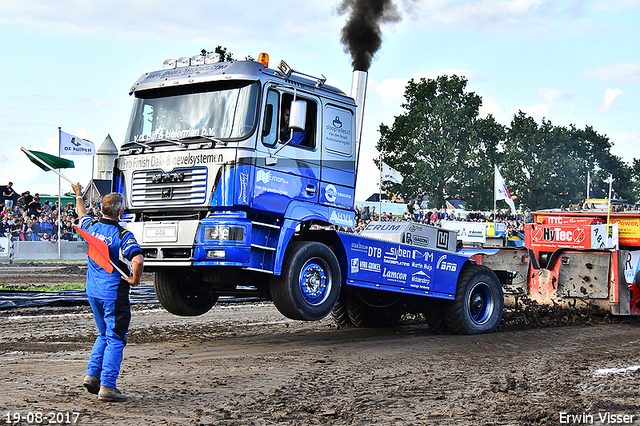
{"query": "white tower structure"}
(105, 155)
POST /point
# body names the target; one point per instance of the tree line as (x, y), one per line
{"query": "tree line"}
(445, 150)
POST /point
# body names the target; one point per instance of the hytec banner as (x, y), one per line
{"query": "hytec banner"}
(501, 191)
(551, 237)
(391, 175)
(73, 145)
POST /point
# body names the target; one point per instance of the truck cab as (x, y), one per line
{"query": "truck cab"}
(217, 180)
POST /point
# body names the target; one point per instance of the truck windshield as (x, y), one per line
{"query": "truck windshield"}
(221, 110)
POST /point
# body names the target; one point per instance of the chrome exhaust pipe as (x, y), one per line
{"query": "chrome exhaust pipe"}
(359, 93)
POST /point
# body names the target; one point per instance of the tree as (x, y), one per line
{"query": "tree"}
(444, 150)
(546, 166)
(439, 144)
(225, 56)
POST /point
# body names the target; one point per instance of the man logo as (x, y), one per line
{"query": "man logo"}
(167, 177)
(167, 193)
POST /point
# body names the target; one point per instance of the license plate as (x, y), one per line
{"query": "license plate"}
(166, 233)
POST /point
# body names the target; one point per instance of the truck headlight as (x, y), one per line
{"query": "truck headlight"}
(223, 233)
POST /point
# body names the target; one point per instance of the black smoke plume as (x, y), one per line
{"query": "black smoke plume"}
(362, 35)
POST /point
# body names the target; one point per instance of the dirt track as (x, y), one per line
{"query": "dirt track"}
(246, 364)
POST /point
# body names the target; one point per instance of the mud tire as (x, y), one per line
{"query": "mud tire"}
(434, 314)
(309, 285)
(183, 294)
(340, 315)
(371, 308)
(478, 304)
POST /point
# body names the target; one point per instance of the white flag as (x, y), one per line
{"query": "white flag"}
(501, 191)
(390, 175)
(73, 145)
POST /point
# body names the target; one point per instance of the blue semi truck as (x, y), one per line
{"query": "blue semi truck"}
(237, 180)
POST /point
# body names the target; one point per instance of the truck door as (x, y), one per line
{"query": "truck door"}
(337, 175)
(294, 172)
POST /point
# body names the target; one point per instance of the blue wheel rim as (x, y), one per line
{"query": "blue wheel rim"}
(315, 282)
(480, 303)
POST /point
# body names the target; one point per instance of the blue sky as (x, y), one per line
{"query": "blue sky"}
(71, 63)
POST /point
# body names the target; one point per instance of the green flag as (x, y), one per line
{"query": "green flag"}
(47, 161)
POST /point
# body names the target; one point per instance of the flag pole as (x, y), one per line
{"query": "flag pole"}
(380, 190)
(609, 202)
(588, 182)
(59, 190)
(495, 174)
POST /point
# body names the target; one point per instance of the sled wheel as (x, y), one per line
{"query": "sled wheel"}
(182, 293)
(309, 285)
(478, 303)
(434, 315)
(371, 308)
(340, 315)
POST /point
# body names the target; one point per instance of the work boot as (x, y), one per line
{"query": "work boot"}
(92, 384)
(108, 394)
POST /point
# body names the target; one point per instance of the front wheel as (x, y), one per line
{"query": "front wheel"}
(309, 285)
(182, 293)
(478, 303)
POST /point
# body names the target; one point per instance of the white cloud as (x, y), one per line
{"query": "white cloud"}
(610, 95)
(170, 20)
(392, 90)
(622, 72)
(625, 145)
(500, 114)
(537, 112)
(614, 5)
(552, 95)
(487, 12)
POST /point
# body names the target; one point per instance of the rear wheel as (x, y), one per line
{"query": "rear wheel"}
(340, 314)
(478, 303)
(371, 308)
(309, 285)
(182, 293)
(434, 314)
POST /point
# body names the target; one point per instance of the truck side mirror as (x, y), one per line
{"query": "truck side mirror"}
(298, 115)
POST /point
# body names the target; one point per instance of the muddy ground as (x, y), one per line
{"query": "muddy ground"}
(245, 364)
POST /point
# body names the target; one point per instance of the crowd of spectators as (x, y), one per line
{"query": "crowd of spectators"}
(28, 219)
(434, 217)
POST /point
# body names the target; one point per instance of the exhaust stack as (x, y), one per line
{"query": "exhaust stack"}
(359, 93)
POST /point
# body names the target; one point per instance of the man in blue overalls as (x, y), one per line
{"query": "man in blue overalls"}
(108, 294)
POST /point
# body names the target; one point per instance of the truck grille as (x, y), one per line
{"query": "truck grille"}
(180, 186)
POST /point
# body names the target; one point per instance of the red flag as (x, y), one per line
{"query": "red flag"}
(98, 250)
